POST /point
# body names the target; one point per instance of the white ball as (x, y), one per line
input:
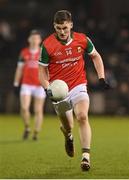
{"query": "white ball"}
(59, 89)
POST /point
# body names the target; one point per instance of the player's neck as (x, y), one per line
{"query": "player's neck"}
(33, 49)
(67, 41)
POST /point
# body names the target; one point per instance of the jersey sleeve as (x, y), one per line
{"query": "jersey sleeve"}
(90, 46)
(20, 60)
(44, 56)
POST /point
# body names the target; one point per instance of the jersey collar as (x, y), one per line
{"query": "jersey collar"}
(33, 51)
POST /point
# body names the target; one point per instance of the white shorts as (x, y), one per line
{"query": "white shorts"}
(77, 94)
(36, 91)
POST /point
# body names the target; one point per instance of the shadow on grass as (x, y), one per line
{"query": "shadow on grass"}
(18, 141)
(11, 142)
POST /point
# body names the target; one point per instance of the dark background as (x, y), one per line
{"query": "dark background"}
(106, 22)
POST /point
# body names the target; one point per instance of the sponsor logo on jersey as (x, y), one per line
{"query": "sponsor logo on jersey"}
(68, 60)
(58, 53)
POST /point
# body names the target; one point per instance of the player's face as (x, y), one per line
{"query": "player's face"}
(34, 40)
(63, 30)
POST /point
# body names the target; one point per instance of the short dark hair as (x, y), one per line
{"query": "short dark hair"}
(35, 32)
(61, 16)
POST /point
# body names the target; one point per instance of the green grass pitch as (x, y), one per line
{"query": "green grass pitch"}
(46, 158)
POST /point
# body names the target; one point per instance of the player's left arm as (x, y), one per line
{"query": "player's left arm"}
(98, 63)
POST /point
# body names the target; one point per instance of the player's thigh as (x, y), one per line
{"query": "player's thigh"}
(64, 110)
(39, 98)
(25, 101)
(25, 96)
(81, 109)
(62, 107)
(38, 104)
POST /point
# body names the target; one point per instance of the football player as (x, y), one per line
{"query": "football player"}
(26, 81)
(62, 57)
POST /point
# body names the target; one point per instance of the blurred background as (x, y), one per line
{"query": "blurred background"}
(106, 22)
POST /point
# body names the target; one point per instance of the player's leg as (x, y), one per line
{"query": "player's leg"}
(81, 112)
(65, 114)
(38, 113)
(25, 101)
(39, 101)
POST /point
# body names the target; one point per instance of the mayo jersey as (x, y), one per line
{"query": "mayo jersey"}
(29, 60)
(66, 61)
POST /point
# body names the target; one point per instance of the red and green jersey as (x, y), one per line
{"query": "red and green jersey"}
(66, 61)
(29, 59)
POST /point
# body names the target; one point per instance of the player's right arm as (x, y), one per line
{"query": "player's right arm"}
(43, 76)
(43, 68)
(19, 72)
(43, 71)
(18, 76)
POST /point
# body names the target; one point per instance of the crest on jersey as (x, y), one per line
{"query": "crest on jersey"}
(79, 49)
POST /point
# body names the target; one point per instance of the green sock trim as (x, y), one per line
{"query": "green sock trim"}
(85, 150)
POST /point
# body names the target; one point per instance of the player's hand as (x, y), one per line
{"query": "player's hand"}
(16, 90)
(49, 94)
(103, 85)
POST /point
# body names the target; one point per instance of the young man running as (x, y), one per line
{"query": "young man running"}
(62, 57)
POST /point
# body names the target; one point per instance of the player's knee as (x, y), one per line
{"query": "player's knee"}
(37, 112)
(24, 110)
(81, 117)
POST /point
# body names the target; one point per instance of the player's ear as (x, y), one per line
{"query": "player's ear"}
(71, 25)
(28, 39)
(54, 25)
(40, 39)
